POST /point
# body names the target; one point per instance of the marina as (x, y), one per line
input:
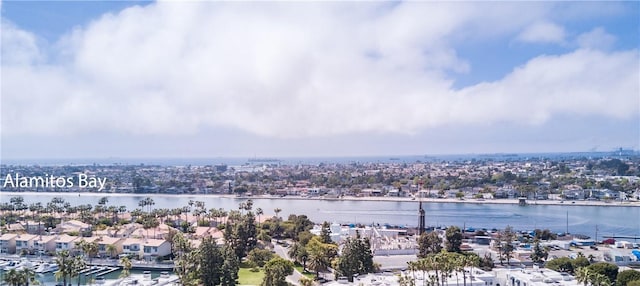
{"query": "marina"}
(91, 275)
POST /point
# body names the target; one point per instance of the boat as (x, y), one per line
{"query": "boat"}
(10, 265)
(46, 268)
(17, 265)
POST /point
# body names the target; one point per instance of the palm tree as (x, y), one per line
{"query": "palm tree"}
(122, 210)
(77, 265)
(12, 278)
(91, 249)
(259, 212)
(582, 275)
(111, 249)
(27, 275)
(126, 266)
(599, 279)
(64, 262)
(277, 211)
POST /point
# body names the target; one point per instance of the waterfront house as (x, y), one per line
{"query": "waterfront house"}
(8, 243)
(153, 248)
(45, 243)
(132, 247)
(104, 249)
(24, 242)
(65, 242)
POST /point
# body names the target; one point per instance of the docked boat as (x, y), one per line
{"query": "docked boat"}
(10, 265)
(4, 263)
(46, 268)
(17, 265)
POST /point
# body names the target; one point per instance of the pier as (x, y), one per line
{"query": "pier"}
(634, 237)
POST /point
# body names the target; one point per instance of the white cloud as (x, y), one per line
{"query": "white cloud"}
(18, 47)
(543, 32)
(297, 70)
(597, 38)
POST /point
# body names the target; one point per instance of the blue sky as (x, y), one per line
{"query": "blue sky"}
(206, 79)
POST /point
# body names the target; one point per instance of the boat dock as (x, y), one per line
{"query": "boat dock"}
(98, 271)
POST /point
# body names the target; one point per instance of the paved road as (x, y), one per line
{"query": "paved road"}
(283, 252)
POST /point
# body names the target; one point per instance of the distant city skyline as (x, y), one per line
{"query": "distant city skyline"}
(102, 79)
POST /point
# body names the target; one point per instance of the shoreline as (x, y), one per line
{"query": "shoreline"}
(349, 198)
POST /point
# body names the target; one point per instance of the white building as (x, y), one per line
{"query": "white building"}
(533, 277)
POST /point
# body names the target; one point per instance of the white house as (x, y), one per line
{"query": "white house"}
(152, 248)
(132, 246)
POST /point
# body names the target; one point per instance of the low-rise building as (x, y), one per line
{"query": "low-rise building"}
(71, 226)
(65, 242)
(25, 243)
(45, 243)
(132, 247)
(534, 277)
(8, 243)
(109, 246)
(153, 248)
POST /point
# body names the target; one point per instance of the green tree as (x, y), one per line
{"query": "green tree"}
(505, 244)
(429, 243)
(634, 283)
(454, 239)
(299, 253)
(486, 262)
(356, 258)
(539, 253)
(580, 262)
(545, 234)
(276, 272)
(325, 233)
(607, 269)
(230, 267)
(561, 264)
(259, 256)
(319, 255)
(626, 276)
(210, 262)
(185, 260)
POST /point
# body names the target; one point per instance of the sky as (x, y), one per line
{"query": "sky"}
(167, 79)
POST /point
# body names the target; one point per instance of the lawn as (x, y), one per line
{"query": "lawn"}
(247, 277)
(306, 274)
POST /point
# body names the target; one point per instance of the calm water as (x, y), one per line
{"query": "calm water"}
(581, 219)
(49, 279)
